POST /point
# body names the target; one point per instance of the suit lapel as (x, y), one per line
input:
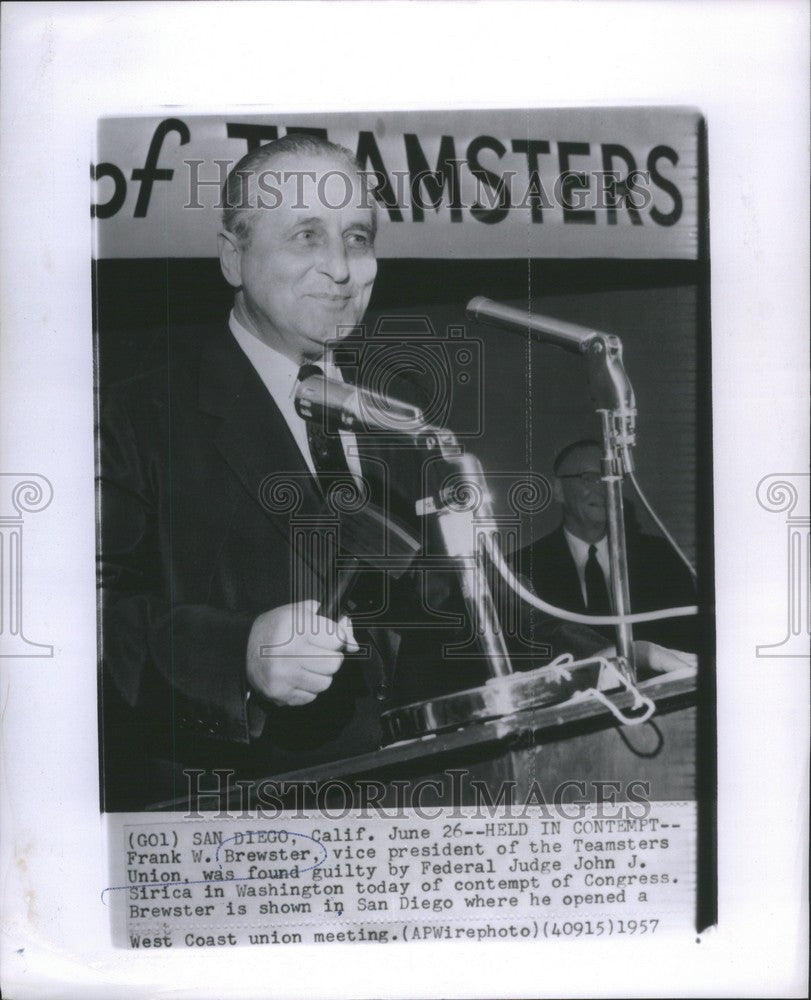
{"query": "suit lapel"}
(568, 580)
(254, 439)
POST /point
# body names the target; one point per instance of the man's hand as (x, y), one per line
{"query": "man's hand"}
(656, 658)
(293, 653)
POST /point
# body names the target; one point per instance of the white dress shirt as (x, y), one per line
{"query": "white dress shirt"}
(580, 554)
(280, 376)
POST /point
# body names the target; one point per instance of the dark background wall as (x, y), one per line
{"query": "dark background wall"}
(522, 402)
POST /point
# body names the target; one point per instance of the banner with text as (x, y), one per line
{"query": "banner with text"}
(559, 183)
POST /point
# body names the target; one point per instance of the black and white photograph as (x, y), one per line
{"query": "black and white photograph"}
(326, 529)
(414, 501)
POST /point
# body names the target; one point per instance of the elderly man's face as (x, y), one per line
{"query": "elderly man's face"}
(580, 490)
(309, 265)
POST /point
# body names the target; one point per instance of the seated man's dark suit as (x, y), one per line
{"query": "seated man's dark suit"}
(657, 579)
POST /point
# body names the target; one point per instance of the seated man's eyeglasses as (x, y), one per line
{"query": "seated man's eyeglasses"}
(585, 477)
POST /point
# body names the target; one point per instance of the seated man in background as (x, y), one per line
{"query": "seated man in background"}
(570, 568)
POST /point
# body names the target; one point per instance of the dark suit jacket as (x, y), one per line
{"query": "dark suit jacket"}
(195, 543)
(657, 579)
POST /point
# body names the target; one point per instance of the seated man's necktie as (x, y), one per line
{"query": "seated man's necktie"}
(597, 600)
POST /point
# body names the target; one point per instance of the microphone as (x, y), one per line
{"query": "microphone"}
(609, 385)
(569, 336)
(329, 402)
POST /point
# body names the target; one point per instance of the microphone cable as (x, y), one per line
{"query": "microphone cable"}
(673, 543)
(502, 566)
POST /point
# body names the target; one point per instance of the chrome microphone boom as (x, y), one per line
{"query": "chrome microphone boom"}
(608, 382)
(569, 336)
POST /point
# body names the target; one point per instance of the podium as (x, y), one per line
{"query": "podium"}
(575, 751)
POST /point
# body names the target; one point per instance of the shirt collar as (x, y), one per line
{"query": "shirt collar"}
(277, 371)
(580, 549)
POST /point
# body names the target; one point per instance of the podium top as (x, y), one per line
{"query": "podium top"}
(545, 724)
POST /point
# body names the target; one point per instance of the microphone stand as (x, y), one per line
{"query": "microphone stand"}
(616, 406)
(462, 525)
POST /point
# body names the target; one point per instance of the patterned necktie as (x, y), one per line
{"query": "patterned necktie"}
(597, 600)
(326, 447)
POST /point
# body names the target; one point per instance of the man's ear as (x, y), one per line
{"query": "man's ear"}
(557, 489)
(230, 258)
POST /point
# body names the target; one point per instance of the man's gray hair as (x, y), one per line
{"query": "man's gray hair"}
(238, 191)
